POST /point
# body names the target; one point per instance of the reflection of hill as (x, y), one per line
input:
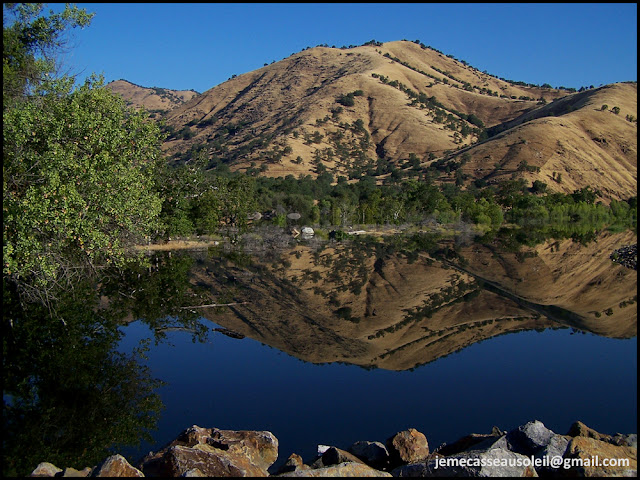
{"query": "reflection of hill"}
(360, 304)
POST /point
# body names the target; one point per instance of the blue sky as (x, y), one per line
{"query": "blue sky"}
(197, 46)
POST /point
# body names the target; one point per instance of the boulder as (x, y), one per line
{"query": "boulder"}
(628, 440)
(45, 469)
(465, 443)
(214, 452)
(587, 449)
(529, 438)
(210, 461)
(374, 454)
(116, 466)
(72, 472)
(294, 216)
(347, 469)
(335, 456)
(579, 429)
(408, 446)
(307, 232)
(495, 462)
(260, 447)
(293, 463)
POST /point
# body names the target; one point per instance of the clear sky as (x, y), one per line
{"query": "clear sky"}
(198, 46)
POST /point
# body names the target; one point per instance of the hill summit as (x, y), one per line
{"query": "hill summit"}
(404, 109)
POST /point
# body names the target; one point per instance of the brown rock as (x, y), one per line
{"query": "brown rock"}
(579, 429)
(116, 466)
(588, 449)
(210, 461)
(293, 463)
(192, 436)
(260, 447)
(348, 469)
(408, 446)
(72, 472)
(45, 469)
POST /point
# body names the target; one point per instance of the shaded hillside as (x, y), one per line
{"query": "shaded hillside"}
(152, 99)
(355, 111)
(567, 144)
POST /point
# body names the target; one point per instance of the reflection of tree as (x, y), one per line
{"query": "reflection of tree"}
(68, 396)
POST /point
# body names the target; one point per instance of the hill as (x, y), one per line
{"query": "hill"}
(154, 99)
(378, 108)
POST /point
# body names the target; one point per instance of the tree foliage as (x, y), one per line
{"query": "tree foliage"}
(77, 163)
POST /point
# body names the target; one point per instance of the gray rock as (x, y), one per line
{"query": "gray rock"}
(336, 456)
(294, 216)
(529, 438)
(374, 454)
(495, 462)
(307, 232)
(556, 447)
(347, 469)
(629, 440)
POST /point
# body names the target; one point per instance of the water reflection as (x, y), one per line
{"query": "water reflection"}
(411, 300)
(70, 397)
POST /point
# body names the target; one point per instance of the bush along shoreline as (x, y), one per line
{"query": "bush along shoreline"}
(529, 450)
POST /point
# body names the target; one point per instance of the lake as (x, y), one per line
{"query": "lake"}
(310, 374)
(326, 342)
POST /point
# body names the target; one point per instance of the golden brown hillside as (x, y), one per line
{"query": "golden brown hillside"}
(367, 109)
(151, 99)
(567, 144)
(405, 99)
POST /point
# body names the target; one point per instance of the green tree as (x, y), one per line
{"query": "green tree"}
(31, 42)
(78, 165)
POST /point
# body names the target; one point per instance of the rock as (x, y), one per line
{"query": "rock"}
(579, 429)
(210, 461)
(294, 216)
(529, 438)
(192, 436)
(241, 453)
(116, 466)
(347, 469)
(307, 232)
(556, 447)
(72, 472)
(495, 462)
(408, 446)
(194, 472)
(335, 456)
(465, 443)
(45, 469)
(628, 440)
(293, 463)
(260, 447)
(374, 454)
(587, 449)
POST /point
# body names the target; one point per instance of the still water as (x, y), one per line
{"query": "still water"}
(327, 343)
(241, 384)
(449, 346)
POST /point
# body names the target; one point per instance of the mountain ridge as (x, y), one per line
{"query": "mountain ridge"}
(373, 109)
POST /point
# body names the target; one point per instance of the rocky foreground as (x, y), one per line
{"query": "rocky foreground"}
(530, 450)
